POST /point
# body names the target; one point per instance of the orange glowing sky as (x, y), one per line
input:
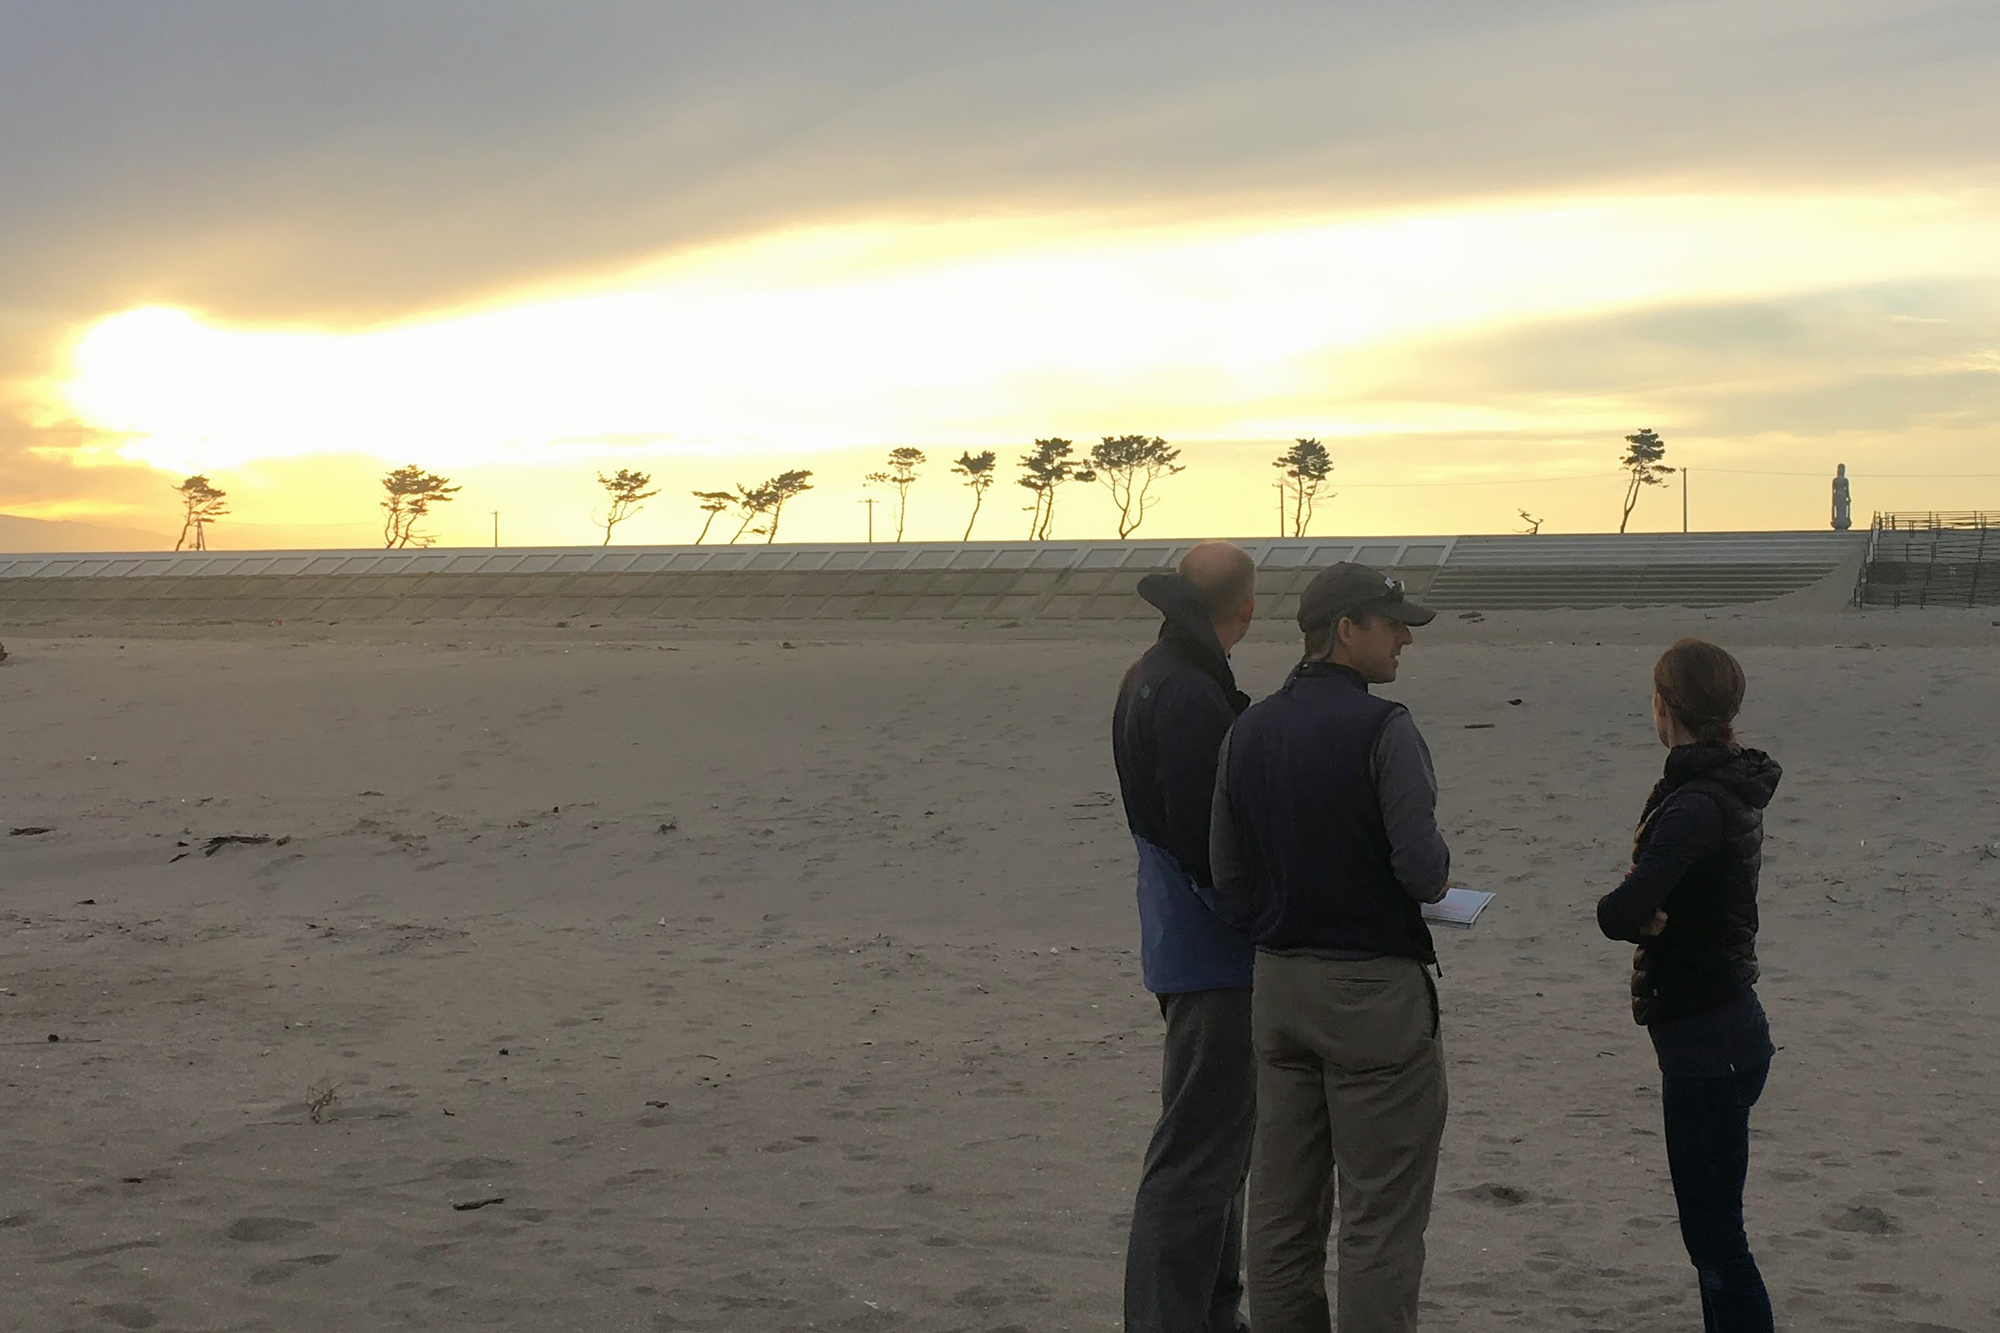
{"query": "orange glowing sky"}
(1469, 318)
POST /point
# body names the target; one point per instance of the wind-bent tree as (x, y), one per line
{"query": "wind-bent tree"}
(627, 491)
(752, 502)
(1534, 528)
(977, 469)
(1044, 470)
(767, 501)
(1305, 467)
(899, 476)
(201, 505)
(1128, 465)
(411, 492)
(712, 503)
(1643, 468)
(785, 486)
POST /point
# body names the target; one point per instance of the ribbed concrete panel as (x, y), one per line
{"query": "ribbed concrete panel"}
(1701, 548)
(997, 581)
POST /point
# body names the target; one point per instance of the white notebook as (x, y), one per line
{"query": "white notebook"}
(1458, 907)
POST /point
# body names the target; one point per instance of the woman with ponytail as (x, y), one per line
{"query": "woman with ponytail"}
(1690, 905)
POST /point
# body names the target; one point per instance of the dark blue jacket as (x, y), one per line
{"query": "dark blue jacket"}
(1302, 797)
(1176, 704)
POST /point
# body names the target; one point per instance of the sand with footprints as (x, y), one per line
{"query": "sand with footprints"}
(689, 978)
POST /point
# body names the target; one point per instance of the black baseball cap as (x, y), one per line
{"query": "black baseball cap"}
(1356, 590)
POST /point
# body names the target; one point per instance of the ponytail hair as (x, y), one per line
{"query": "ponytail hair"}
(1702, 686)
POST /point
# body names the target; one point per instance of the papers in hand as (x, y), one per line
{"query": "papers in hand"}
(1458, 907)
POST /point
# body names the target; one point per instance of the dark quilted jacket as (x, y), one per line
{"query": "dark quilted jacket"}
(1708, 953)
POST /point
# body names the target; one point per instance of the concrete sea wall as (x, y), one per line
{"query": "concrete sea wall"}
(979, 581)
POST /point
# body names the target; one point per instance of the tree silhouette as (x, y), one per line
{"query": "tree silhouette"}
(201, 505)
(1534, 528)
(411, 492)
(1306, 466)
(752, 503)
(767, 501)
(1643, 468)
(627, 492)
(783, 487)
(1128, 465)
(712, 503)
(1044, 469)
(899, 476)
(977, 469)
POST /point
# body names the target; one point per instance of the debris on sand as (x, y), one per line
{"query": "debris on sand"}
(30, 831)
(211, 846)
(471, 1204)
(221, 840)
(318, 1099)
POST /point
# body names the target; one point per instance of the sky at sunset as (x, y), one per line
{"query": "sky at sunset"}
(1469, 246)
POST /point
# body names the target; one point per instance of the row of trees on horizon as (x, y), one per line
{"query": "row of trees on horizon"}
(1130, 467)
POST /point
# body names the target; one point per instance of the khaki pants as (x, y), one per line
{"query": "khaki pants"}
(1350, 1107)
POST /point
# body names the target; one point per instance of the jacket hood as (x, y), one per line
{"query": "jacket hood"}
(1751, 775)
(1187, 623)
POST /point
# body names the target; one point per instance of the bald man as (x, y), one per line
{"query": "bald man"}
(1183, 1266)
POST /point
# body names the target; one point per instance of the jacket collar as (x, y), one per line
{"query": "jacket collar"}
(1750, 775)
(1316, 669)
(1187, 627)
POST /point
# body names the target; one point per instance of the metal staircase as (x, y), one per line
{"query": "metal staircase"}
(1932, 559)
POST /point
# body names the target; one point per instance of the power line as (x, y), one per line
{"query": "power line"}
(1879, 476)
(1607, 476)
(1498, 481)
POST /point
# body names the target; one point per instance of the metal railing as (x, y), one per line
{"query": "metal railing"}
(1942, 558)
(1936, 520)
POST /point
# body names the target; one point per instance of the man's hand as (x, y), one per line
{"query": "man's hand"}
(1655, 926)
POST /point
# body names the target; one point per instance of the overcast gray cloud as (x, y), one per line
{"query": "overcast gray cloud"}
(300, 160)
(375, 157)
(1888, 362)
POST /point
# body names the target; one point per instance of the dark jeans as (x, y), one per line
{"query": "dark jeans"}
(1184, 1264)
(1708, 1152)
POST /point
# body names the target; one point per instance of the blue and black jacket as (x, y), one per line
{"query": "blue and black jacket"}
(1176, 704)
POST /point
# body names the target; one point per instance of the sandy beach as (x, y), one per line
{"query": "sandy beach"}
(697, 979)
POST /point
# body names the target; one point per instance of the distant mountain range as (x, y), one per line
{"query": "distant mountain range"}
(23, 535)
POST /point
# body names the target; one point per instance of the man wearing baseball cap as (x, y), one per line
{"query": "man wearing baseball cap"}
(1324, 827)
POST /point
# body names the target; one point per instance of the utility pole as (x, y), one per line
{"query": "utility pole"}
(1684, 501)
(496, 529)
(870, 502)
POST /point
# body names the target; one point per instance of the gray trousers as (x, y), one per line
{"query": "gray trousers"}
(1350, 1111)
(1184, 1263)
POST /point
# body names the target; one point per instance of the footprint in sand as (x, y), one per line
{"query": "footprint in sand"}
(477, 1168)
(1862, 1219)
(128, 1316)
(265, 1229)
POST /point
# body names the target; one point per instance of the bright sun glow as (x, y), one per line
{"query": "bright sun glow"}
(975, 335)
